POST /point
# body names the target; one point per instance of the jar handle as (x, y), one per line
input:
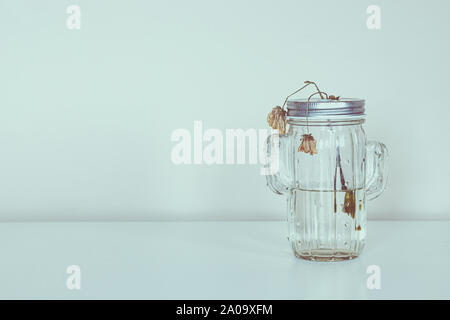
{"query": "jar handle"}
(377, 169)
(276, 168)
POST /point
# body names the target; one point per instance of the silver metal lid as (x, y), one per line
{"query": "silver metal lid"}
(325, 107)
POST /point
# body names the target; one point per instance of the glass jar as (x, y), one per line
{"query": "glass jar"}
(327, 191)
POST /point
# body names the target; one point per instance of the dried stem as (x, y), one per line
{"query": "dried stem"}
(298, 90)
(307, 107)
(317, 88)
(285, 101)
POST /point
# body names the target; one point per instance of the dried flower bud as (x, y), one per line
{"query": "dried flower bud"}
(331, 97)
(277, 119)
(308, 144)
(350, 203)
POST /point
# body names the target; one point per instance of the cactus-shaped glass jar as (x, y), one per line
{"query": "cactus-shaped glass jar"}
(327, 191)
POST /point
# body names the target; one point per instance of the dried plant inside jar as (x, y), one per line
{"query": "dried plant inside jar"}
(277, 120)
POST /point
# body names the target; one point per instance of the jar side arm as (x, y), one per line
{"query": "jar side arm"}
(377, 169)
(276, 168)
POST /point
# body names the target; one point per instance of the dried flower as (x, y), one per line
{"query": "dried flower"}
(308, 144)
(350, 203)
(277, 119)
(331, 97)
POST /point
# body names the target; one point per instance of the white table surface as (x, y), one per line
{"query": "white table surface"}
(216, 260)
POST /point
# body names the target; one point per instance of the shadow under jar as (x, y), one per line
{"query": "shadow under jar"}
(327, 192)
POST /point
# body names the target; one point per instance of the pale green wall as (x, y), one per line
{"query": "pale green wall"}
(86, 116)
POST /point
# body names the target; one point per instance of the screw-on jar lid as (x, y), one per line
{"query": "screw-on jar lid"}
(325, 107)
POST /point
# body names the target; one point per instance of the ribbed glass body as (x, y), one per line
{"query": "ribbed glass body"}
(326, 206)
(326, 192)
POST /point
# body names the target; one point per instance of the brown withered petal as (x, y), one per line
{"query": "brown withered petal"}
(350, 203)
(308, 144)
(277, 119)
(307, 147)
